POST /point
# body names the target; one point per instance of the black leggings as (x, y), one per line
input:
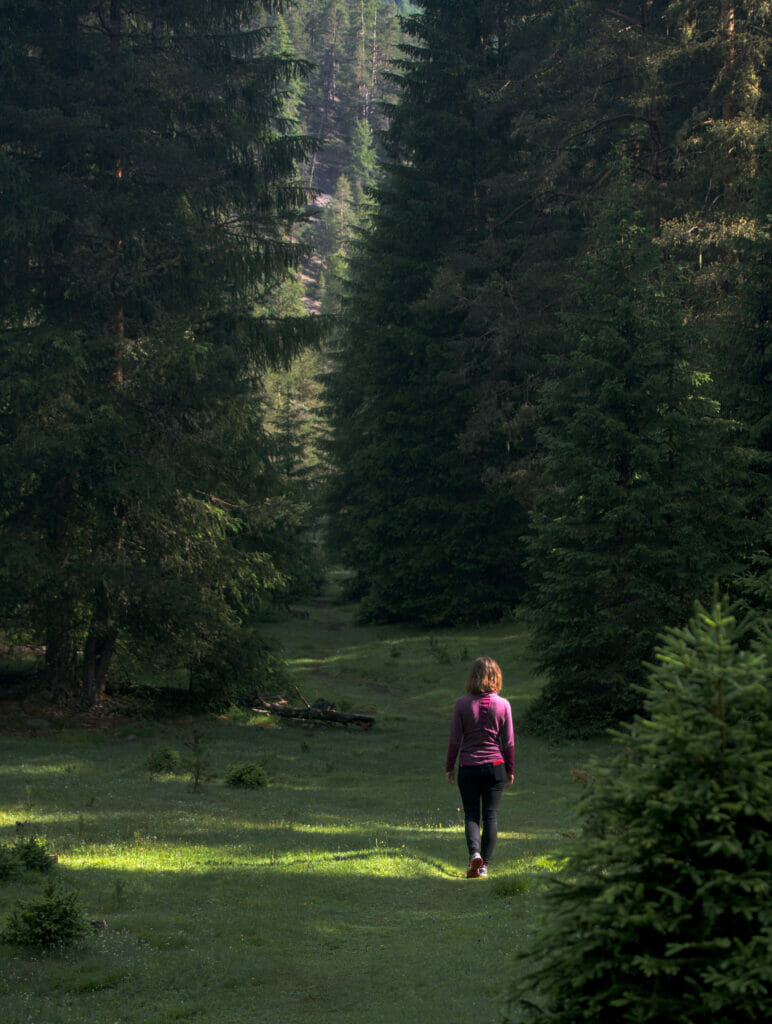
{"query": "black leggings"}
(481, 783)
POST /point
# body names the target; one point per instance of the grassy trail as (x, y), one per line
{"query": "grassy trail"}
(335, 895)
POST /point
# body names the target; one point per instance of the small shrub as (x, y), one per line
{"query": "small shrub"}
(439, 651)
(34, 854)
(164, 761)
(9, 862)
(246, 775)
(199, 762)
(119, 894)
(56, 919)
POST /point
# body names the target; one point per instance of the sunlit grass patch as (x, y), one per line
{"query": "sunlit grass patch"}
(42, 770)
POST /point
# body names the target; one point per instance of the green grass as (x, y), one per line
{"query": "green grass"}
(335, 894)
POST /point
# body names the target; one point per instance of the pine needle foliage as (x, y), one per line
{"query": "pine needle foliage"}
(664, 912)
(148, 195)
(409, 510)
(622, 538)
(53, 920)
(34, 854)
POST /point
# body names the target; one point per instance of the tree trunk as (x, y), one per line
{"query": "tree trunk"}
(96, 661)
(362, 65)
(118, 324)
(61, 658)
(374, 66)
(97, 654)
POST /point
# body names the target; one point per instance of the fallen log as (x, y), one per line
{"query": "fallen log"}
(321, 711)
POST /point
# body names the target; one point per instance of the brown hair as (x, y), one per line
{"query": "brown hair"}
(484, 677)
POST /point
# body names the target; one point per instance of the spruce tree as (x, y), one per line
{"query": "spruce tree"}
(622, 536)
(364, 161)
(753, 387)
(716, 220)
(663, 911)
(409, 510)
(147, 203)
(510, 284)
(685, 131)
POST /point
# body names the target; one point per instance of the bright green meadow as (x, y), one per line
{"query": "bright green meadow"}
(336, 894)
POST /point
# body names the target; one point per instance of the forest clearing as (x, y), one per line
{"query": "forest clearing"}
(335, 893)
(349, 350)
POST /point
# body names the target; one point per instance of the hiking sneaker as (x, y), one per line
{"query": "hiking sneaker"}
(475, 863)
(483, 872)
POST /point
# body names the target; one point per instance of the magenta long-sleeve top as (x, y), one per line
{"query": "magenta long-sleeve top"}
(481, 732)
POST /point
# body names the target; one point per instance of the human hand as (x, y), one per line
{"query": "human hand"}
(451, 777)
(510, 779)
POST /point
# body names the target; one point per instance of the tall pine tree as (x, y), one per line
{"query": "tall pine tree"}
(650, 491)
(623, 537)
(147, 202)
(410, 512)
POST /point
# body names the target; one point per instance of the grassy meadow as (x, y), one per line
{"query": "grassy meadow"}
(336, 894)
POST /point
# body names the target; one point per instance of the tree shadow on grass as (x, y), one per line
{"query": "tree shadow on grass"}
(362, 935)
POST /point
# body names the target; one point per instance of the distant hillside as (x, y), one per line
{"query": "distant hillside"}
(350, 45)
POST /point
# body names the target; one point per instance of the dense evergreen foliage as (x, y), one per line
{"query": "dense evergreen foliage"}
(149, 192)
(546, 231)
(561, 313)
(349, 45)
(647, 497)
(632, 442)
(664, 909)
(411, 515)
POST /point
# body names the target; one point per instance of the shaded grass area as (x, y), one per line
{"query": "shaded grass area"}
(335, 894)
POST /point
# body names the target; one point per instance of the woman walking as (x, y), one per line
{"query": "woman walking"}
(483, 738)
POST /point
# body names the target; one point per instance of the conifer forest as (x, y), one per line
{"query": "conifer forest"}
(468, 298)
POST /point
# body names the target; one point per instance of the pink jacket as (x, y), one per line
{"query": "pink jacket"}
(481, 732)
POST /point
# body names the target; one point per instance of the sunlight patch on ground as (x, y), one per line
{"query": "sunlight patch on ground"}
(24, 769)
(150, 858)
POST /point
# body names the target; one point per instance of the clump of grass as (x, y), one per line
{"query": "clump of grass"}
(119, 894)
(239, 715)
(535, 879)
(246, 775)
(56, 919)
(518, 884)
(164, 761)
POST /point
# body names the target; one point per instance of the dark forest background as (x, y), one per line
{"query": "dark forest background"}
(469, 298)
